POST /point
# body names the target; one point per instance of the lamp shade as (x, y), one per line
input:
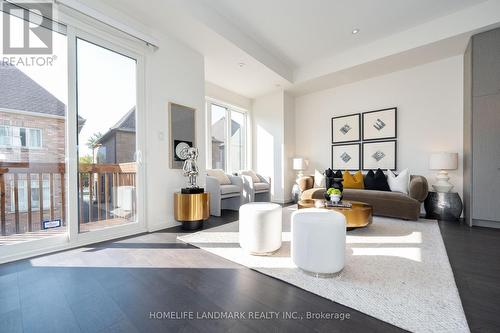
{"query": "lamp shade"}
(443, 161)
(299, 164)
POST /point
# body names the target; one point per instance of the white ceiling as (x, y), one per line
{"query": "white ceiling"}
(302, 31)
(301, 44)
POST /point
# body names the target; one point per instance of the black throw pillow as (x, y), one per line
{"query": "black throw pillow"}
(328, 173)
(376, 181)
(328, 177)
(338, 174)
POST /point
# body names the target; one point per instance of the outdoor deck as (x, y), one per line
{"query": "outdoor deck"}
(101, 198)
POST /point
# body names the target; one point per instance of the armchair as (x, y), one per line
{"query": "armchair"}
(256, 191)
(224, 196)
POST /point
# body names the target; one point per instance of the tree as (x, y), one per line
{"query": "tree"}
(92, 143)
(87, 159)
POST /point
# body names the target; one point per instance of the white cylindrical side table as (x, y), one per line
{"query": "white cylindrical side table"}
(318, 241)
(260, 227)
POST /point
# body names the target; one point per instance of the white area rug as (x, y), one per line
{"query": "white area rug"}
(396, 271)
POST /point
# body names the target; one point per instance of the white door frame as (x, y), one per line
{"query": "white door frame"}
(139, 225)
(72, 238)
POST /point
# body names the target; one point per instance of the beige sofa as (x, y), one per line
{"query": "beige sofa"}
(390, 204)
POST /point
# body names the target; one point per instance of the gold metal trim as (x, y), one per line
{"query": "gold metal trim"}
(360, 215)
(191, 207)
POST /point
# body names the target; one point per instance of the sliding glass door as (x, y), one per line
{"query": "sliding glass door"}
(33, 118)
(70, 138)
(107, 146)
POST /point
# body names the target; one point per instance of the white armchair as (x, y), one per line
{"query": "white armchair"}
(224, 196)
(256, 188)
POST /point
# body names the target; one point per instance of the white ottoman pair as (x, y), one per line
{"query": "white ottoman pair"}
(260, 227)
(318, 241)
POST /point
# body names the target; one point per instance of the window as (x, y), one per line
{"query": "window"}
(22, 195)
(11, 136)
(5, 136)
(227, 132)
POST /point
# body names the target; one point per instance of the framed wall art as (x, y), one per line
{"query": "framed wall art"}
(182, 133)
(380, 154)
(380, 124)
(346, 157)
(346, 128)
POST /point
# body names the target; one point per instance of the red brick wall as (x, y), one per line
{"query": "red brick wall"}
(53, 139)
(52, 151)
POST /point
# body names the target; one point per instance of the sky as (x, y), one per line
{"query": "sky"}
(106, 81)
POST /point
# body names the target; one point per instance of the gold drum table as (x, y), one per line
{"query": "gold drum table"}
(191, 209)
(358, 216)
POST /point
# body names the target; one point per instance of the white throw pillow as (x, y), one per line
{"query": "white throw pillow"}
(319, 179)
(220, 175)
(252, 174)
(399, 183)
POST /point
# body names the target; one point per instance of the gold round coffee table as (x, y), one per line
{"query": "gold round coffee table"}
(358, 216)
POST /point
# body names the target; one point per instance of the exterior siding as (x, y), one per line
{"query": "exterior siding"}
(125, 147)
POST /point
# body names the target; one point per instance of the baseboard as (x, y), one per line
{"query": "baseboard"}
(161, 226)
(484, 223)
(282, 202)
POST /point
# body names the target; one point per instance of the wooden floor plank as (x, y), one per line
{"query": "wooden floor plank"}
(116, 285)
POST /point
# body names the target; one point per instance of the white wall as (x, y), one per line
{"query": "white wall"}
(174, 73)
(267, 120)
(273, 141)
(216, 92)
(430, 114)
(289, 146)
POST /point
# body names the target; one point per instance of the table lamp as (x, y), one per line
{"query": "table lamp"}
(299, 164)
(443, 162)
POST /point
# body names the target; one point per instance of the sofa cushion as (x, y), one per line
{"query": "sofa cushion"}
(220, 175)
(400, 182)
(319, 179)
(250, 173)
(261, 186)
(419, 188)
(390, 204)
(353, 181)
(305, 182)
(376, 181)
(226, 189)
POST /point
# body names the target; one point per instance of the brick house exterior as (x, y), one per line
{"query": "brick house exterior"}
(32, 130)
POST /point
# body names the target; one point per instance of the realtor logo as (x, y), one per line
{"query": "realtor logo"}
(27, 28)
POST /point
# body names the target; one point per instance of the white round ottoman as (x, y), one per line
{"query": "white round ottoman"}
(260, 227)
(318, 241)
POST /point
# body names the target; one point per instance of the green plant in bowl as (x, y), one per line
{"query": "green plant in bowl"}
(334, 191)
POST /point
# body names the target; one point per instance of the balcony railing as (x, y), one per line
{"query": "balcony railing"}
(98, 193)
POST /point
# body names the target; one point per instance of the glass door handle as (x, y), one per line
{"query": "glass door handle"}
(138, 156)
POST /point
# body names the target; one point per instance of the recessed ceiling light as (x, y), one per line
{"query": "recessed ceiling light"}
(241, 64)
(355, 31)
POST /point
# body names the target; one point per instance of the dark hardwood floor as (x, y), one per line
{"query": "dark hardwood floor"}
(474, 254)
(118, 286)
